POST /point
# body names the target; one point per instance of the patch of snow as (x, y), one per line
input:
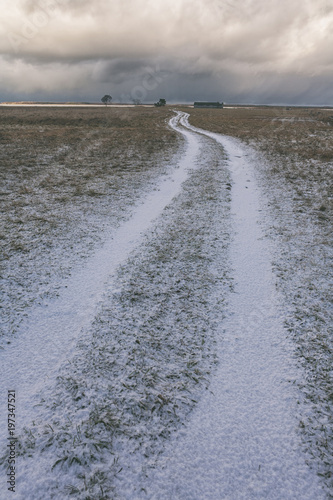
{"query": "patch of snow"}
(48, 335)
(102, 337)
(242, 441)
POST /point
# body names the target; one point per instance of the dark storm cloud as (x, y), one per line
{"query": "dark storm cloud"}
(119, 71)
(241, 48)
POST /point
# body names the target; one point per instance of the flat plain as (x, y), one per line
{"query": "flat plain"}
(71, 176)
(295, 170)
(65, 174)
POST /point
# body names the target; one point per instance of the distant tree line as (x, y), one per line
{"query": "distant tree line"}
(107, 100)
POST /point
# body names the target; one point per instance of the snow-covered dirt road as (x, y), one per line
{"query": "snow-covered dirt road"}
(49, 333)
(163, 370)
(242, 441)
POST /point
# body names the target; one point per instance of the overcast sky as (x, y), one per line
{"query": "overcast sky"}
(246, 51)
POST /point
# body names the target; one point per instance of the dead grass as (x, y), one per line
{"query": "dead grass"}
(285, 130)
(65, 174)
(297, 141)
(149, 353)
(296, 174)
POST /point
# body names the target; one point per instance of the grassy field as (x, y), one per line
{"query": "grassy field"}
(66, 175)
(149, 352)
(298, 142)
(295, 160)
(70, 175)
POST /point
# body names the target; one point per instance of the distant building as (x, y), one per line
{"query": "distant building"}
(208, 104)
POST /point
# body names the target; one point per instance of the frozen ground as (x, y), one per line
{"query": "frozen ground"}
(242, 441)
(167, 372)
(73, 178)
(50, 331)
(294, 168)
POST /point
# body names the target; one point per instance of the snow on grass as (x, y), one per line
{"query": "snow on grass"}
(123, 402)
(303, 266)
(242, 440)
(68, 178)
(294, 171)
(137, 372)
